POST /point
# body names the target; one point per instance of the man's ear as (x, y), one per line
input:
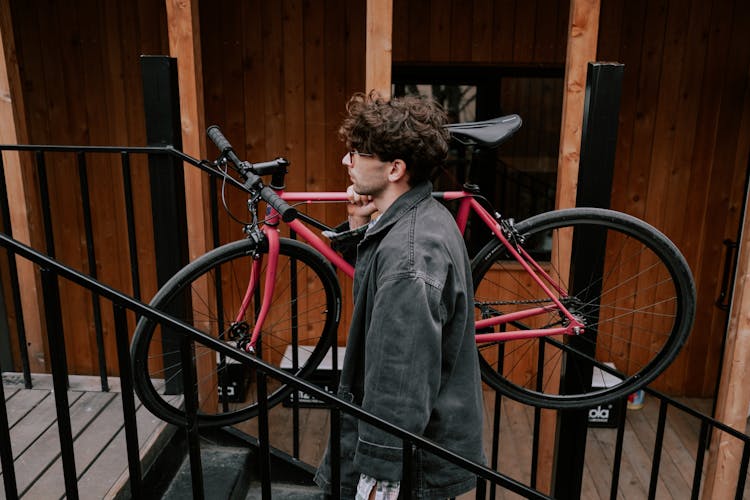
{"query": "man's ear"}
(397, 171)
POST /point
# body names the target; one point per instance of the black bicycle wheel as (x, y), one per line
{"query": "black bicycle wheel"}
(207, 294)
(624, 279)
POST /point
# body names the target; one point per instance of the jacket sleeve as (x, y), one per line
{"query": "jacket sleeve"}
(402, 368)
(345, 240)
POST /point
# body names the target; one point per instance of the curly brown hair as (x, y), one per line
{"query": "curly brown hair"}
(408, 128)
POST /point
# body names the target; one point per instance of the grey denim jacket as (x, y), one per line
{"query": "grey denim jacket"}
(411, 357)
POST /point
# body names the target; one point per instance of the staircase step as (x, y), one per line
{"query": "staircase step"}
(226, 475)
(286, 492)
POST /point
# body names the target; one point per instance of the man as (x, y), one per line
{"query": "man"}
(411, 357)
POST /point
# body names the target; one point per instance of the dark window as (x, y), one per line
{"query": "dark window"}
(520, 177)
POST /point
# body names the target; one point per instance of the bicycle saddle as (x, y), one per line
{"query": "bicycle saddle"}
(487, 133)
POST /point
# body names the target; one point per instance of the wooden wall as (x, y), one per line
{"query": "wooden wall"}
(276, 76)
(81, 84)
(276, 79)
(682, 151)
(480, 31)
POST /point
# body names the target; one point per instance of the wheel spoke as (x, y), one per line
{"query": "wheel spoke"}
(305, 318)
(629, 311)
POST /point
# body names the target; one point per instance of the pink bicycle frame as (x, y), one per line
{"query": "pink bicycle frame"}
(467, 204)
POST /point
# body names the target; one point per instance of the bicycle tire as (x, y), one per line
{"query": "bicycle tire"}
(314, 316)
(638, 311)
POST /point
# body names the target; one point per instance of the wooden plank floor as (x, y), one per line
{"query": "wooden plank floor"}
(101, 463)
(678, 454)
(515, 443)
(98, 430)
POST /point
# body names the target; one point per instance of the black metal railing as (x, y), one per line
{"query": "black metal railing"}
(707, 427)
(42, 159)
(41, 167)
(51, 270)
(123, 304)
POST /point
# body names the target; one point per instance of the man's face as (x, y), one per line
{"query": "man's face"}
(369, 174)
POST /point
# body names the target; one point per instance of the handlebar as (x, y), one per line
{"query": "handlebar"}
(253, 182)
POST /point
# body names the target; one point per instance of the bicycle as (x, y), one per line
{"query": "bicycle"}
(280, 297)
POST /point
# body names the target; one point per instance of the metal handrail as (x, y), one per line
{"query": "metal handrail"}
(124, 301)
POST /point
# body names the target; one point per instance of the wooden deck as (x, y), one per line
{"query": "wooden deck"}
(678, 453)
(97, 427)
(101, 463)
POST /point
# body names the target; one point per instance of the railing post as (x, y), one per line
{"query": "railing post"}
(127, 188)
(6, 451)
(189, 380)
(56, 340)
(598, 144)
(6, 358)
(619, 442)
(658, 444)
(91, 256)
(700, 456)
(744, 461)
(162, 106)
(128, 401)
(335, 447)
(264, 451)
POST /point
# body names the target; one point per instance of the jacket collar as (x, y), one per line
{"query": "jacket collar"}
(401, 206)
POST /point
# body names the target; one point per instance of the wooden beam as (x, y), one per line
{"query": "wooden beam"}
(583, 32)
(185, 45)
(379, 46)
(733, 400)
(22, 193)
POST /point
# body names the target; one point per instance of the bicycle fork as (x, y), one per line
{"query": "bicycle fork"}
(271, 236)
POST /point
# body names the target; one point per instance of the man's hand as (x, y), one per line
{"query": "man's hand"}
(360, 208)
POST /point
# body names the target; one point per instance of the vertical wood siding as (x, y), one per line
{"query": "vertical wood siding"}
(682, 151)
(81, 81)
(277, 75)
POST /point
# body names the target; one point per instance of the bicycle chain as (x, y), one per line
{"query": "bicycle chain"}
(515, 302)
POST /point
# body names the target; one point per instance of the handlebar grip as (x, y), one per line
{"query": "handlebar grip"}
(287, 212)
(223, 144)
(218, 138)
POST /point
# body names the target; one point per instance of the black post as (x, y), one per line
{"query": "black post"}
(128, 401)
(190, 381)
(264, 446)
(6, 451)
(598, 144)
(91, 255)
(15, 291)
(51, 293)
(162, 105)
